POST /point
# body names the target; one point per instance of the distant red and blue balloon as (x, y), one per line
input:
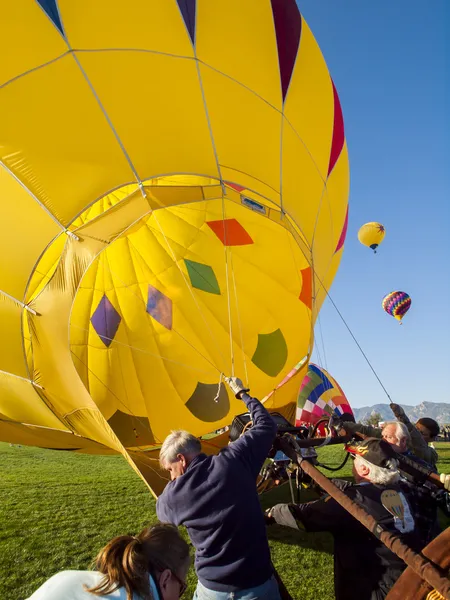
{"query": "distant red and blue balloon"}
(396, 304)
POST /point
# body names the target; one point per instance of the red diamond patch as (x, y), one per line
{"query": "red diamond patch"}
(230, 232)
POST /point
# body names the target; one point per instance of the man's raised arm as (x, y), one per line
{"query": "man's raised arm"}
(252, 447)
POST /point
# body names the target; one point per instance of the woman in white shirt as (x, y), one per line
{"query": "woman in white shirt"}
(150, 566)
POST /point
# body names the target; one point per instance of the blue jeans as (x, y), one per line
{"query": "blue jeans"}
(267, 591)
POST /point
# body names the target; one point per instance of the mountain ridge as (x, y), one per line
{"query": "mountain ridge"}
(439, 411)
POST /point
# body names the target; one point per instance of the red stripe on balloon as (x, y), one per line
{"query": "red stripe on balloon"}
(337, 142)
(288, 26)
(343, 233)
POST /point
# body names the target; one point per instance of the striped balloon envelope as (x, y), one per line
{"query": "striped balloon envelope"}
(396, 304)
(320, 396)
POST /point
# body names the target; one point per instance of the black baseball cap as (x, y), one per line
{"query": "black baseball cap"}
(377, 452)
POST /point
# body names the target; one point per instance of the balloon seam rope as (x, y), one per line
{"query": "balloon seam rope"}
(75, 410)
(124, 184)
(355, 340)
(342, 318)
(226, 252)
(241, 336)
(309, 312)
(143, 301)
(271, 106)
(109, 121)
(66, 431)
(190, 291)
(187, 366)
(306, 148)
(323, 344)
(123, 378)
(216, 157)
(319, 357)
(35, 198)
(281, 161)
(33, 69)
(147, 461)
(16, 301)
(208, 120)
(174, 330)
(116, 397)
(22, 379)
(318, 216)
(125, 330)
(259, 181)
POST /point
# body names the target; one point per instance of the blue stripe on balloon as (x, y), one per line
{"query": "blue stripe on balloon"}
(323, 387)
(319, 390)
(51, 9)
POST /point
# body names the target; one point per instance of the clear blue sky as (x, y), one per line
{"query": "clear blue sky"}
(388, 59)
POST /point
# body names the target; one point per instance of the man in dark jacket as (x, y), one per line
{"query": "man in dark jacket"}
(215, 497)
(364, 569)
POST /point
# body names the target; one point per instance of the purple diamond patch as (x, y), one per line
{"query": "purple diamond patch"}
(106, 321)
(159, 306)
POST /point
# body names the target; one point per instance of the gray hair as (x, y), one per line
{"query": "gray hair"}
(401, 431)
(178, 442)
(379, 475)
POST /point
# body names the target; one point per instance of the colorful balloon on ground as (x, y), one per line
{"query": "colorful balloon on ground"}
(155, 234)
(371, 235)
(320, 396)
(397, 304)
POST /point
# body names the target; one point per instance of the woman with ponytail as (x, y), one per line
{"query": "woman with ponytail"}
(150, 566)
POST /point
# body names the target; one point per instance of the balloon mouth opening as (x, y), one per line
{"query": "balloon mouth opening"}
(374, 247)
(124, 316)
(130, 203)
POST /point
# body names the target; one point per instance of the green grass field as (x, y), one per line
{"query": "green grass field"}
(57, 509)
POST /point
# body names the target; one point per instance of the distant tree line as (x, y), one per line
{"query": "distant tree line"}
(373, 419)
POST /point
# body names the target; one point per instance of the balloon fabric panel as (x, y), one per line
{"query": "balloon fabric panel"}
(319, 396)
(158, 232)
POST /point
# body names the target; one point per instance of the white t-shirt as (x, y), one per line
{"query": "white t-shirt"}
(68, 585)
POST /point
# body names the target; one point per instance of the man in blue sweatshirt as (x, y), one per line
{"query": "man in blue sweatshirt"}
(215, 497)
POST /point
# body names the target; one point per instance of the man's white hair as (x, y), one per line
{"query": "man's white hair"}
(178, 442)
(378, 475)
(401, 431)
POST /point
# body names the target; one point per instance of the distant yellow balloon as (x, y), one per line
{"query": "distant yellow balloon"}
(371, 235)
(173, 181)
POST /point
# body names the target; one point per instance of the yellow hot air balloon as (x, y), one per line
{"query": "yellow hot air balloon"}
(371, 235)
(174, 187)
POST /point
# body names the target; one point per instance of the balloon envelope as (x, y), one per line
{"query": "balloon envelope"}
(396, 304)
(320, 396)
(155, 166)
(371, 235)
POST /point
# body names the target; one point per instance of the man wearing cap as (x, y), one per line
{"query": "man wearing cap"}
(364, 569)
